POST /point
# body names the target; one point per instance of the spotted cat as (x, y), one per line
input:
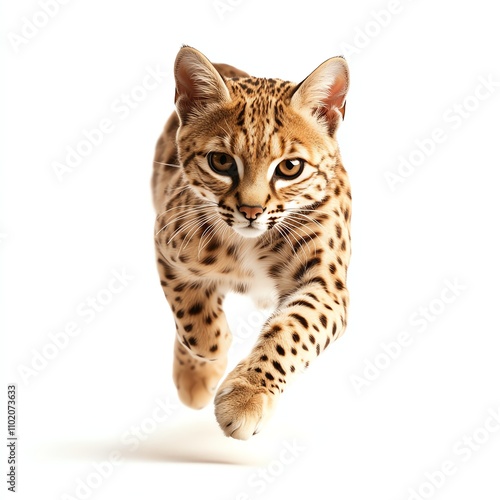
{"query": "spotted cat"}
(251, 197)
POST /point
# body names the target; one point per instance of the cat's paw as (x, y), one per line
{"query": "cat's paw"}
(242, 408)
(197, 381)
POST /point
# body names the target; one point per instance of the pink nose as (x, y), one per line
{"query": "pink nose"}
(251, 213)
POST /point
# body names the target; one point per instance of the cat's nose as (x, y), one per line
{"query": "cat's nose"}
(251, 212)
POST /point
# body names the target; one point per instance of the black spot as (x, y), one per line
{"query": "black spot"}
(195, 309)
(312, 339)
(319, 280)
(167, 269)
(269, 376)
(180, 313)
(333, 268)
(280, 350)
(192, 341)
(339, 230)
(296, 337)
(317, 349)
(309, 294)
(305, 347)
(258, 370)
(208, 261)
(264, 358)
(272, 333)
(301, 303)
(292, 368)
(214, 348)
(330, 243)
(300, 319)
(293, 351)
(323, 320)
(231, 250)
(305, 267)
(339, 285)
(278, 367)
(188, 328)
(278, 246)
(275, 271)
(327, 343)
(180, 288)
(334, 329)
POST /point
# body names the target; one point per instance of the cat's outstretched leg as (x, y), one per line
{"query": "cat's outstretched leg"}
(304, 325)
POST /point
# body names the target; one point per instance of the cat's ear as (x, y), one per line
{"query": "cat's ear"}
(197, 83)
(324, 91)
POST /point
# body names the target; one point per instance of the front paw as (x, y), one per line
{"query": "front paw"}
(242, 408)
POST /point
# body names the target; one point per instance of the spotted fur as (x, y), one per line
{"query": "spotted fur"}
(285, 241)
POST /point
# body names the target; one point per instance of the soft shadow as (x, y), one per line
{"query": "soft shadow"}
(184, 442)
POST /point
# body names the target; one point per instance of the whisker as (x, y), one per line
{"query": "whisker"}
(193, 221)
(213, 231)
(167, 164)
(296, 217)
(184, 215)
(284, 235)
(300, 210)
(188, 224)
(184, 226)
(206, 220)
(207, 203)
(293, 227)
(177, 191)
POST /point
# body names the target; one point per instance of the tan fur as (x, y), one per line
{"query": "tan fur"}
(297, 260)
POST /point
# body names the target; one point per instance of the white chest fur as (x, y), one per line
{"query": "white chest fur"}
(260, 287)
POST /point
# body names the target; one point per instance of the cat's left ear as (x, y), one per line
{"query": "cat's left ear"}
(324, 91)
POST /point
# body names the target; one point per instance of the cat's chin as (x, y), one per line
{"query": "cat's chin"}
(249, 231)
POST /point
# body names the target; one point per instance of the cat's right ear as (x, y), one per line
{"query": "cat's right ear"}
(197, 83)
(324, 91)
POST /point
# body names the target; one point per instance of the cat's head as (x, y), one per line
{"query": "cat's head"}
(260, 149)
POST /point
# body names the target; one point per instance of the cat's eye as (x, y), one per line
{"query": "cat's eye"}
(289, 169)
(222, 163)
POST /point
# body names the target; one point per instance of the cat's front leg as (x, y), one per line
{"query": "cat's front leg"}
(304, 325)
(202, 341)
(202, 334)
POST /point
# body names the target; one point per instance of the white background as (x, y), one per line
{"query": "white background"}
(62, 239)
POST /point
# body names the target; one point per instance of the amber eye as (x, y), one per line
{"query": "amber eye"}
(222, 163)
(289, 169)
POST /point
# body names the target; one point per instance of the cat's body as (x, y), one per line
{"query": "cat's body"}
(251, 197)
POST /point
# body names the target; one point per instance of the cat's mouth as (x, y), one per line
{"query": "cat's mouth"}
(250, 230)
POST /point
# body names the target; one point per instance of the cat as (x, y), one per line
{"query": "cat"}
(251, 197)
